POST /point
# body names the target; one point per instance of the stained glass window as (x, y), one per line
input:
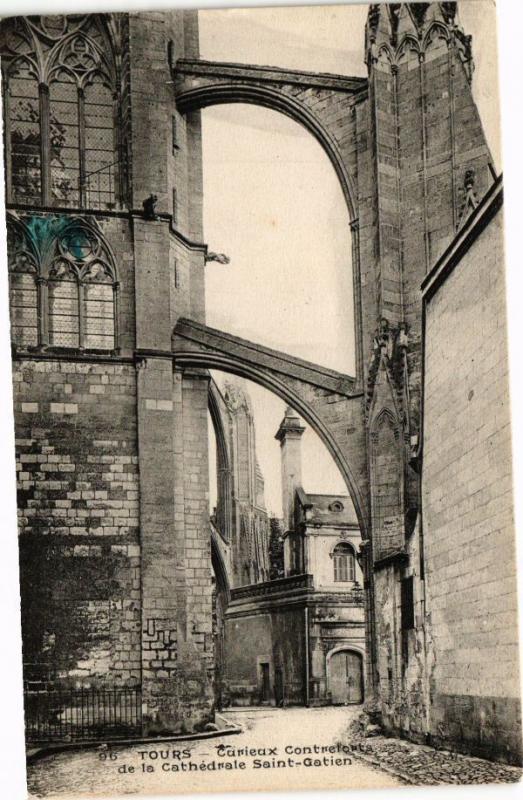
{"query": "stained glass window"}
(64, 142)
(99, 144)
(64, 327)
(24, 133)
(98, 294)
(60, 113)
(24, 309)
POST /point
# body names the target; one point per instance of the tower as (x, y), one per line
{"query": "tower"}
(104, 200)
(289, 435)
(428, 152)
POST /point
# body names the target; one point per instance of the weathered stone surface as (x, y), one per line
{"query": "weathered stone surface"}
(112, 445)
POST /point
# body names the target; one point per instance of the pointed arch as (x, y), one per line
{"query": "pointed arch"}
(23, 267)
(386, 462)
(433, 28)
(385, 416)
(242, 92)
(223, 467)
(407, 42)
(386, 50)
(68, 297)
(292, 396)
(62, 109)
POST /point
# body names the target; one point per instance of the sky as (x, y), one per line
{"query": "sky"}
(273, 204)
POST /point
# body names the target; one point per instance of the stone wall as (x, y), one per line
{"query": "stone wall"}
(467, 500)
(77, 470)
(276, 637)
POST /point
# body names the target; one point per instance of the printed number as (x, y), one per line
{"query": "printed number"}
(107, 756)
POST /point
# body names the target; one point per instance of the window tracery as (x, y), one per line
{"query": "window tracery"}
(63, 285)
(61, 102)
(23, 294)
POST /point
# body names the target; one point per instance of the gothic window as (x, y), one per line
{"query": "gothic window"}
(343, 559)
(64, 316)
(386, 486)
(63, 286)
(21, 109)
(98, 311)
(82, 292)
(23, 292)
(60, 112)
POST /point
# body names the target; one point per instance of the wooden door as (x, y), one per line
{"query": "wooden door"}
(346, 677)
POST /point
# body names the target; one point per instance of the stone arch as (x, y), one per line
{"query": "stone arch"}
(219, 566)
(290, 394)
(385, 416)
(347, 648)
(435, 30)
(340, 647)
(221, 599)
(339, 541)
(224, 489)
(237, 92)
(408, 43)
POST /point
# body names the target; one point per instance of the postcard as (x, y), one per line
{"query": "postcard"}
(260, 392)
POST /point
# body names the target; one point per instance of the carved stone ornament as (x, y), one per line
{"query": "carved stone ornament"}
(449, 11)
(374, 17)
(149, 207)
(236, 398)
(470, 200)
(220, 258)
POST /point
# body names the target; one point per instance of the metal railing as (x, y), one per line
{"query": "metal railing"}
(65, 715)
(98, 188)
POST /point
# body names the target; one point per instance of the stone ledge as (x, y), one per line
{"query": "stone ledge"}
(191, 338)
(224, 69)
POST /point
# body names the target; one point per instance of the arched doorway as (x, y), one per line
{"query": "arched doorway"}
(345, 676)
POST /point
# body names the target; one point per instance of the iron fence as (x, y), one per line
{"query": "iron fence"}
(66, 715)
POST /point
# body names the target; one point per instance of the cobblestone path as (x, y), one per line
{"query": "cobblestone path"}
(156, 769)
(425, 766)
